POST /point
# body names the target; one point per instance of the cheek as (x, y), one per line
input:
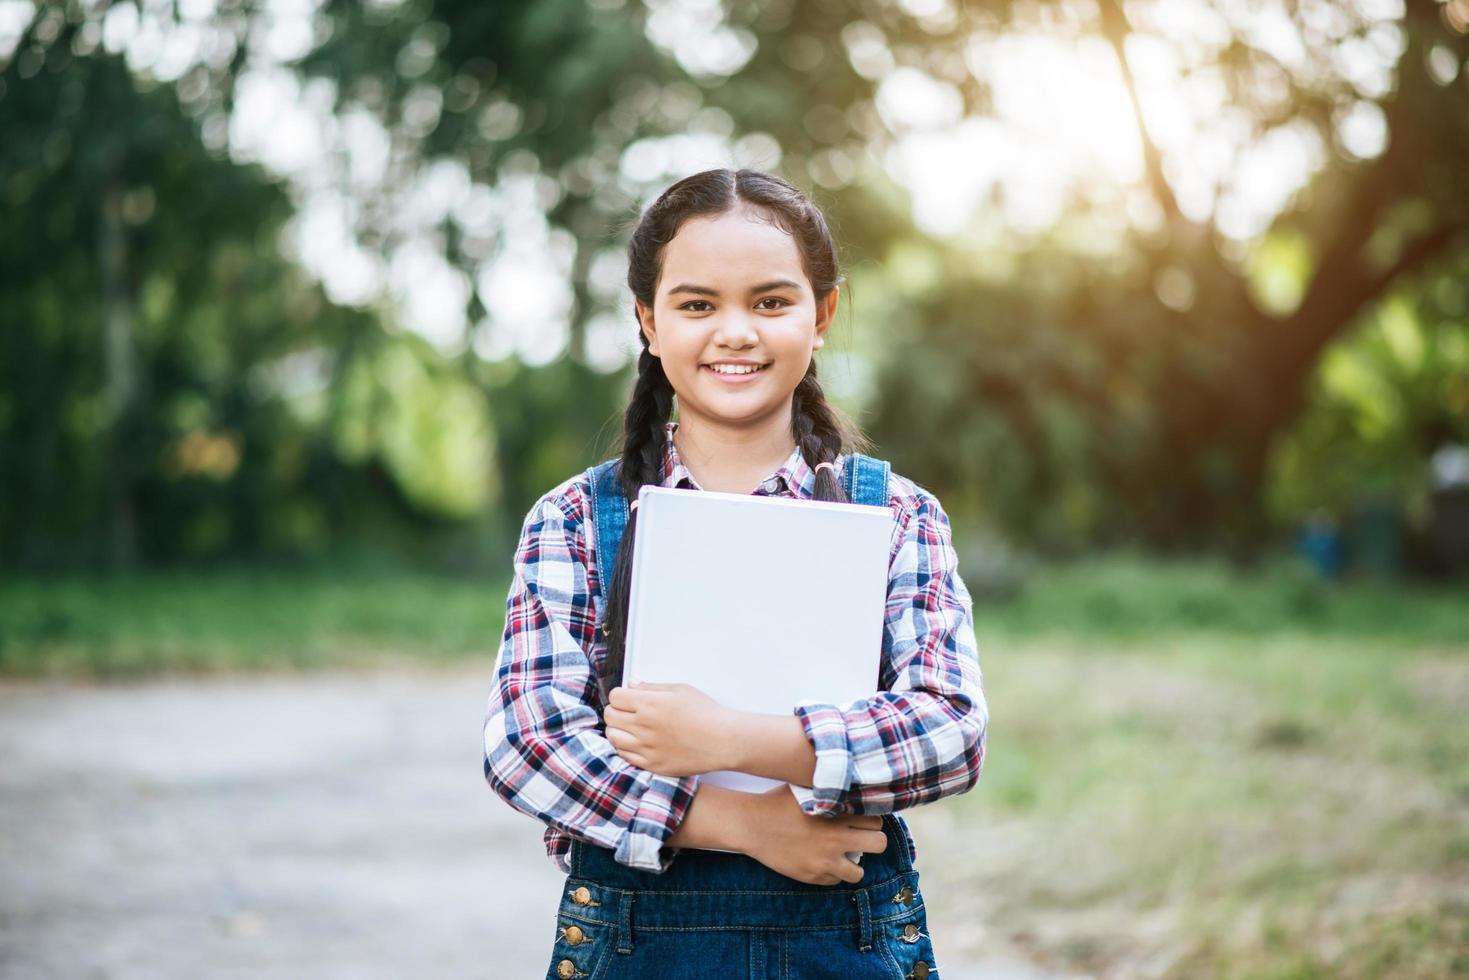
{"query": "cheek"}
(681, 346)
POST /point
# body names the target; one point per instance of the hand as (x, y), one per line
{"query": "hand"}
(670, 729)
(807, 848)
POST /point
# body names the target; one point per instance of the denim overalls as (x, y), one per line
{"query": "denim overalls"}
(714, 914)
(726, 915)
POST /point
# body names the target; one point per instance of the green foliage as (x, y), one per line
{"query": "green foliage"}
(102, 418)
(1029, 403)
(171, 388)
(236, 412)
(551, 422)
(426, 423)
(1073, 399)
(1385, 398)
(1280, 269)
(559, 63)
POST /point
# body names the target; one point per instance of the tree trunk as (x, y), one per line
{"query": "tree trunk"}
(120, 361)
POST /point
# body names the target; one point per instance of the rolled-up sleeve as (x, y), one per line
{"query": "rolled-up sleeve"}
(923, 736)
(545, 753)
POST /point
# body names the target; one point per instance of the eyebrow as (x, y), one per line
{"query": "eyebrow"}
(687, 287)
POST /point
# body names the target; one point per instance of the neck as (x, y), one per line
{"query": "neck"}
(733, 459)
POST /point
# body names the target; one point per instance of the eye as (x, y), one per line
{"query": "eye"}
(691, 303)
(776, 299)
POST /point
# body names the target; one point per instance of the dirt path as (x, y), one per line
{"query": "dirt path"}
(325, 826)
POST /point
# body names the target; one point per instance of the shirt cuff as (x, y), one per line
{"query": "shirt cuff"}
(804, 796)
(661, 808)
(826, 730)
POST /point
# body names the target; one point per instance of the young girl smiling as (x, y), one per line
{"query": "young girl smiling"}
(735, 281)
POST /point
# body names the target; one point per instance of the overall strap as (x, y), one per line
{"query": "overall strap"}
(610, 507)
(865, 479)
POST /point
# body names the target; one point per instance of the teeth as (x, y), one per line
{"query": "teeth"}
(734, 369)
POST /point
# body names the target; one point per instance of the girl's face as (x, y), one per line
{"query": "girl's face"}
(732, 290)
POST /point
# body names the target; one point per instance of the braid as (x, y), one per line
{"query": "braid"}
(645, 435)
(644, 425)
(822, 431)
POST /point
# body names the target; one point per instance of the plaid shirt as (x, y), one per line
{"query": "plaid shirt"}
(922, 737)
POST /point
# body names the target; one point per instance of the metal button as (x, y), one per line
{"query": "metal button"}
(905, 896)
(920, 972)
(910, 933)
(574, 935)
(582, 896)
(567, 969)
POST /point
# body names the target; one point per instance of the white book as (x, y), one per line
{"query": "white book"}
(759, 601)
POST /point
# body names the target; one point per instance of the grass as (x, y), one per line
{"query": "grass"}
(255, 618)
(242, 619)
(1134, 600)
(1146, 815)
(1191, 773)
(1194, 775)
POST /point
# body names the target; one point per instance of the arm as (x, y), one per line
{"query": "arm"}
(773, 746)
(543, 752)
(922, 737)
(719, 818)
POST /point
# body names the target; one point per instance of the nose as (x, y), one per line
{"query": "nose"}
(736, 330)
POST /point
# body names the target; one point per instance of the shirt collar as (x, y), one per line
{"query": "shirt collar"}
(793, 478)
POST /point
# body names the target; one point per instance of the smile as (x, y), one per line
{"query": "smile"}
(734, 375)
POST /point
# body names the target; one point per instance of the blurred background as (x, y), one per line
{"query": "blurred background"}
(304, 302)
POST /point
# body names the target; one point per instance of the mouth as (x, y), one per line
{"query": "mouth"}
(742, 375)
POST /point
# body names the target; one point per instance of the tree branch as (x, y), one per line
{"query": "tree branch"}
(1116, 28)
(1298, 342)
(1416, 254)
(1185, 232)
(1344, 283)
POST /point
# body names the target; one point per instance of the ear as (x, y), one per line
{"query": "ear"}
(645, 320)
(826, 311)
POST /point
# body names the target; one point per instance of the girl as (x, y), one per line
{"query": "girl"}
(735, 280)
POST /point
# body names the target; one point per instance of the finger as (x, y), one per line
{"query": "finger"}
(852, 871)
(866, 823)
(617, 716)
(871, 841)
(649, 691)
(620, 697)
(627, 749)
(624, 738)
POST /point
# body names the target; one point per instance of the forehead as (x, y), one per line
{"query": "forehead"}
(732, 250)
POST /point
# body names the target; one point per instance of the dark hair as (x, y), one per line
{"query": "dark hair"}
(821, 430)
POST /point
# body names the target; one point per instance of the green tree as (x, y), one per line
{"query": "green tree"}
(150, 325)
(1147, 394)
